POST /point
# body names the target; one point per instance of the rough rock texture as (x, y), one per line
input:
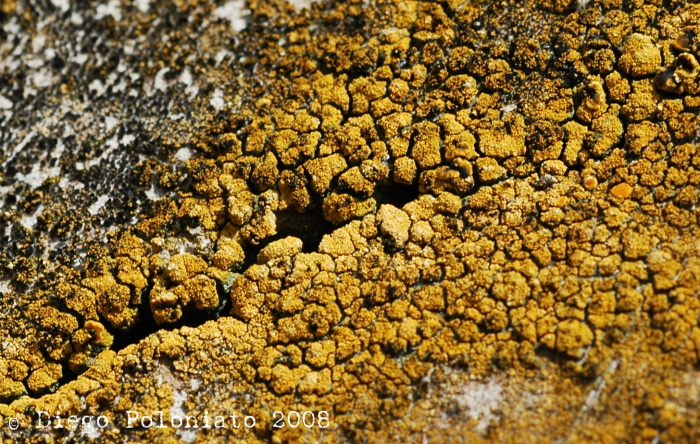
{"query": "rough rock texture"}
(417, 221)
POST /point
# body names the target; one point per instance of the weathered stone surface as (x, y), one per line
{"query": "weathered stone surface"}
(389, 221)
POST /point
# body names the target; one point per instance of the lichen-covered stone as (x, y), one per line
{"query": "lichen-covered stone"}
(417, 221)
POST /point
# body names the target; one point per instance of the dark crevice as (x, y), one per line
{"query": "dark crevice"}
(251, 251)
(560, 359)
(396, 194)
(309, 226)
(144, 327)
(67, 376)
(224, 307)
(147, 325)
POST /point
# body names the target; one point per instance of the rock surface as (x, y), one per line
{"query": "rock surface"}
(349, 222)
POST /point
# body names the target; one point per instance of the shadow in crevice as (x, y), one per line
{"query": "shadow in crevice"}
(396, 194)
(309, 226)
(147, 325)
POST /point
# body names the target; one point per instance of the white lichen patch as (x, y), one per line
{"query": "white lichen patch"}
(186, 77)
(480, 400)
(90, 430)
(112, 8)
(101, 201)
(301, 4)
(38, 175)
(160, 83)
(154, 193)
(42, 78)
(5, 103)
(217, 100)
(97, 87)
(127, 140)
(110, 123)
(63, 5)
(29, 221)
(191, 89)
(143, 5)
(509, 108)
(184, 154)
(235, 12)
